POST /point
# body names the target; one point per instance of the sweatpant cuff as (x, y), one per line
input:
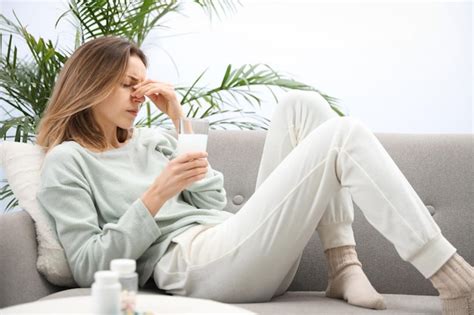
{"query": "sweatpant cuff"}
(433, 255)
(336, 235)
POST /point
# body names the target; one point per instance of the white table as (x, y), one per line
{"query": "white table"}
(155, 304)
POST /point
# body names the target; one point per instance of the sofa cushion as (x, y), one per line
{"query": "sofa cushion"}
(20, 280)
(311, 302)
(22, 164)
(87, 291)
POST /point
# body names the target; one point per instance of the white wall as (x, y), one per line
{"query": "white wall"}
(401, 67)
(398, 66)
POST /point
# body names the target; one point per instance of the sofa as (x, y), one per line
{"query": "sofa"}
(439, 167)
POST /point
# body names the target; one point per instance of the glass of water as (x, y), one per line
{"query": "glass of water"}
(192, 135)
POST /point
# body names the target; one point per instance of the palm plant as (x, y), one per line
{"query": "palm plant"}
(26, 83)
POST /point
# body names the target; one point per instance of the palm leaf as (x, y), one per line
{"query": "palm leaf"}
(6, 192)
(237, 88)
(213, 7)
(126, 18)
(23, 128)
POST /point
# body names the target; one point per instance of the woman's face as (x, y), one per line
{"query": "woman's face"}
(120, 109)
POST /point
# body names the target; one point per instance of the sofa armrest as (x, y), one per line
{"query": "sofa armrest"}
(20, 281)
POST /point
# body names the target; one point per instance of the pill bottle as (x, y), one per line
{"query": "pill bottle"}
(106, 291)
(128, 278)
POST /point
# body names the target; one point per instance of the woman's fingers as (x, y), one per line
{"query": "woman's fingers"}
(143, 83)
(154, 92)
(202, 171)
(148, 86)
(144, 89)
(190, 156)
(195, 164)
(147, 81)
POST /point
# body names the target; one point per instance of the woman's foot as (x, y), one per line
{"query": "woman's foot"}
(348, 281)
(455, 283)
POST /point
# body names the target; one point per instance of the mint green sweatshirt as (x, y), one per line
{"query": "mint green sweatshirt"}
(93, 201)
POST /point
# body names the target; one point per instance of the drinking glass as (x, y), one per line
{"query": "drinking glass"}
(192, 135)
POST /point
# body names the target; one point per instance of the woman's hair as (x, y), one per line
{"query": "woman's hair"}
(88, 77)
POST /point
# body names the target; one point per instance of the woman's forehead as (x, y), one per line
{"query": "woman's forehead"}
(136, 70)
(134, 77)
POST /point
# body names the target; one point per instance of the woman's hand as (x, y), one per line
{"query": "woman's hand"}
(162, 95)
(177, 175)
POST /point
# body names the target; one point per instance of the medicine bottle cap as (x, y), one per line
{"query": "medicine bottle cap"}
(106, 277)
(123, 266)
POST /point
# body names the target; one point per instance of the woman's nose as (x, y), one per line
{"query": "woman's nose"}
(138, 99)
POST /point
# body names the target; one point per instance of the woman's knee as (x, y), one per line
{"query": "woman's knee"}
(350, 122)
(310, 100)
(306, 108)
(347, 127)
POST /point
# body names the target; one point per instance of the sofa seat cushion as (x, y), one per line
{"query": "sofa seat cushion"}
(308, 302)
(87, 291)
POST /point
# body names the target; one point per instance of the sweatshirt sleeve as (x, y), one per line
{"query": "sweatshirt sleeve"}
(65, 197)
(207, 193)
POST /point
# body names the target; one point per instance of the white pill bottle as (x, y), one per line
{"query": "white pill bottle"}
(106, 293)
(128, 278)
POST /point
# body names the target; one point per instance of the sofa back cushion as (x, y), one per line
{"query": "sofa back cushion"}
(438, 166)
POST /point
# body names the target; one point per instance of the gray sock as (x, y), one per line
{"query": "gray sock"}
(347, 280)
(455, 284)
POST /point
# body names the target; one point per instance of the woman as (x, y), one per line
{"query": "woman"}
(115, 191)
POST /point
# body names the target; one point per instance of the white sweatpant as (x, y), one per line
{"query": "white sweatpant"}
(314, 165)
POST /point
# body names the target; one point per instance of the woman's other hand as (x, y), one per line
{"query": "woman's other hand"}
(162, 95)
(178, 174)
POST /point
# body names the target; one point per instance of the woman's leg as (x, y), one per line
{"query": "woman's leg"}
(295, 116)
(245, 258)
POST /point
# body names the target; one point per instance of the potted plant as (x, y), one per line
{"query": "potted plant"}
(26, 83)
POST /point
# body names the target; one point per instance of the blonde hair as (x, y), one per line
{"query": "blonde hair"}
(88, 77)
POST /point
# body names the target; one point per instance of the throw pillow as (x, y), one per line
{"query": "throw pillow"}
(22, 164)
